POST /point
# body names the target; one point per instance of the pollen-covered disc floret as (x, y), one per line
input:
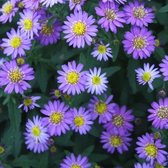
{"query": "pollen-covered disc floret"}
(137, 14)
(151, 149)
(29, 23)
(111, 17)
(79, 29)
(120, 120)
(72, 161)
(159, 114)
(139, 42)
(102, 109)
(15, 77)
(16, 44)
(8, 11)
(36, 136)
(115, 141)
(57, 117)
(81, 120)
(147, 75)
(95, 81)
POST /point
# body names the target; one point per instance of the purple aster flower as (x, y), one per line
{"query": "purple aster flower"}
(57, 118)
(36, 136)
(31, 4)
(29, 23)
(81, 120)
(76, 4)
(95, 81)
(75, 162)
(29, 103)
(101, 108)
(144, 165)
(121, 120)
(159, 114)
(151, 149)
(111, 17)
(137, 15)
(118, 1)
(163, 67)
(8, 11)
(79, 29)
(115, 141)
(15, 77)
(50, 3)
(16, 43)
(102, 51)
(49, 34)
(72, 80)
(140, 42)
(147, 75)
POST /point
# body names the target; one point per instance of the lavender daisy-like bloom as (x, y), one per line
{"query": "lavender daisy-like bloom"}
(95, 81)
(75, 162)
(15, 77)
(121, 120)
(16, 43)
(118, 1)
(102, 109)
(102, 51)
(8, 11)
(163, 67)
(144, 165)
(81, 120)
(140, 42)
(36, 136)
(29, 23)
(76, 4)
(151, 149)
(50, 3)
(57, 117)
(79, 29)
(31, 4)
(147, 75)
(29, 103)
(49, 34)
(115, 141)
(137, 15)
(111, 17)
(72, 79)
(159, 114)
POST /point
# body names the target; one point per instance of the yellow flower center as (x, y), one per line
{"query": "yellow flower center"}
(79, 121)
(139, 12)
(28, 24)
(15, 75)
(118, 120)
(20, 4)
(53, 149)
(76, 1)
(27, 101)
(157, 165)
(79, 28)
(57, 93)
(102, 49)
(110, 14)
(101, 108)
(151, 150)
(139, 43)
(15, 42)
(2, 149)
(46, 30)
(96, 80)
(56, 117)
(162, 113)
(157, 43)
(20, 61)
(7, 8)
(72, 77)
(75, 166)
(116, 141)
(146, 76)
(36, 131)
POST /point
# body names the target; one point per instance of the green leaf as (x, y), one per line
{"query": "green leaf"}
(88, 150)
(111, 70)
(164, 9)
